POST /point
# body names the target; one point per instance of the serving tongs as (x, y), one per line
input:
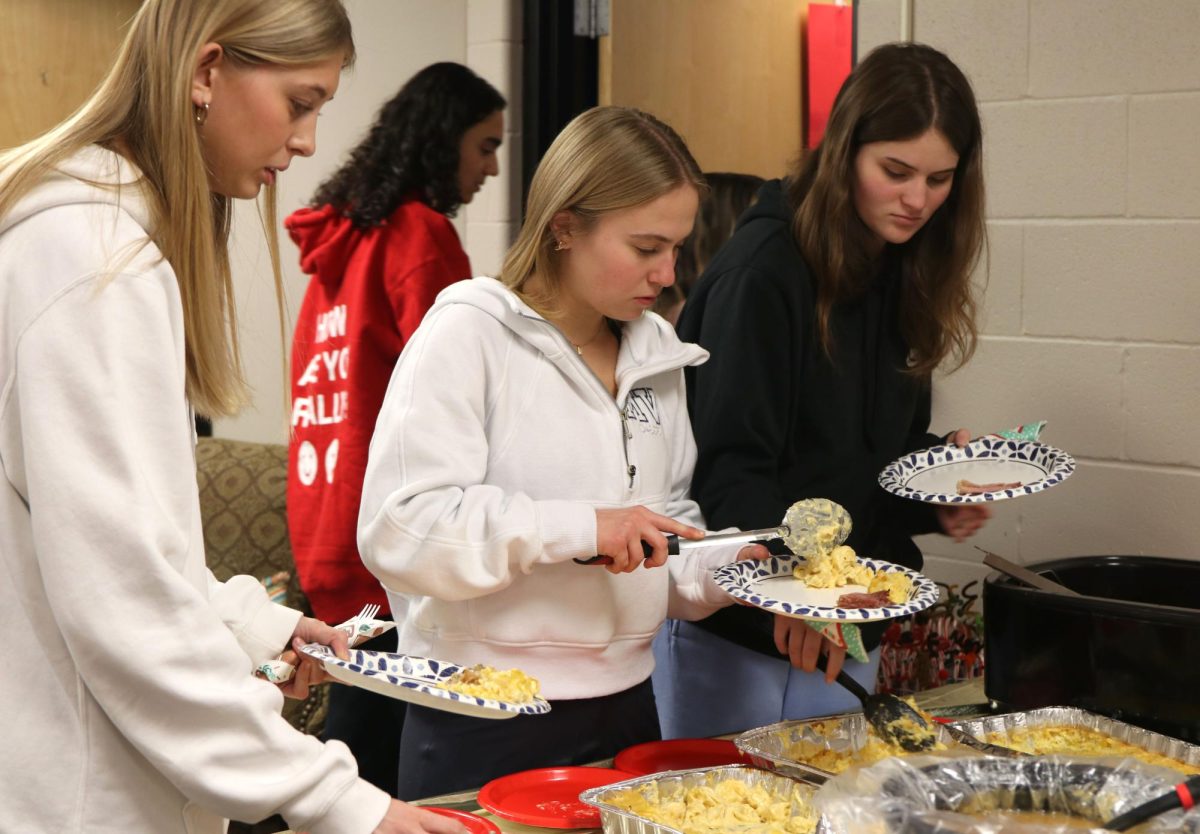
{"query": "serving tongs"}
(1183, 796)
(804, 525)
(675, 544)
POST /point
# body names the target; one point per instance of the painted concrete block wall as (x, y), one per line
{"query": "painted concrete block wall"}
(1091, 313)
(494, 51)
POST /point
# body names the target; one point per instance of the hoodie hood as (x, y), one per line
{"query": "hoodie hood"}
(93, 175)
(771, 203)
(326, 239)
(648, 344)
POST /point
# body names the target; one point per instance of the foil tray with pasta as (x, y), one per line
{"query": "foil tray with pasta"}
(705, 801)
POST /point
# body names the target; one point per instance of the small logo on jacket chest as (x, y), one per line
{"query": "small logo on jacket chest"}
(641, 409)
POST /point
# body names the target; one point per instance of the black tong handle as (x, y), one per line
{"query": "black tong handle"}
(1182, 797)
(672, 550)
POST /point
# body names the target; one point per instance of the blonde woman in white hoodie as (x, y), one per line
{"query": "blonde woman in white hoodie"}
(539, 419)
(129, 689)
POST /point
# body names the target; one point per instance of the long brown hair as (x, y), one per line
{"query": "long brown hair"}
(729, 195)
(605, 159)
(898, 92)
(144, 106)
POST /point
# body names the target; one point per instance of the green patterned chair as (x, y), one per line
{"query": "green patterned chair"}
(243, 504)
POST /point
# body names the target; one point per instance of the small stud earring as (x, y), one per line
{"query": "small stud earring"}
(559, 246)
(201, 113)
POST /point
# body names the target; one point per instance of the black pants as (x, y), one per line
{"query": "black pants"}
(442, 752)
(369, 724)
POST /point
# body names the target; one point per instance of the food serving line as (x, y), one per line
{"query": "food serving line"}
(788, 759)
(683, 754)
(975, 762)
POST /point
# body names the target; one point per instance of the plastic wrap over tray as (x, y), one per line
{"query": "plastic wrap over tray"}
(659, 787)
(1153, 743)
(988, 795)
(775, 746)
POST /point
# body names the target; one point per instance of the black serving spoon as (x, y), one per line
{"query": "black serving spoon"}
(893, 720)
(1181, 797)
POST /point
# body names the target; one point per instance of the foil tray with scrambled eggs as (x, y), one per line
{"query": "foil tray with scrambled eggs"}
(813, 749)
(1072, 731)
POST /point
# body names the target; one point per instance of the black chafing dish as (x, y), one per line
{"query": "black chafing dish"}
(1128, 648)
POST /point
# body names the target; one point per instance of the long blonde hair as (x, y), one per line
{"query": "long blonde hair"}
(144, 108)
(604, 160)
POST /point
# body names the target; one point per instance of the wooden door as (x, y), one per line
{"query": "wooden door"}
(726, 74)
(53, 53)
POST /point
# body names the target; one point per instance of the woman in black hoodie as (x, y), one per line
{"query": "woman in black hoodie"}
(841, 291)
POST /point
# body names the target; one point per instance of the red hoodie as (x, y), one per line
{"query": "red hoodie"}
(367, 294)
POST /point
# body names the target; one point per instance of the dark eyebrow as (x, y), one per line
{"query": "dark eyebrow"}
(652, 236)
(904, 164)
(493, 141)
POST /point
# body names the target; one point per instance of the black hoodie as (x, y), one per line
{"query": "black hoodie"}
(776, 420)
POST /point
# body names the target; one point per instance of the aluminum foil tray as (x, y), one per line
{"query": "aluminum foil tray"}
(616, 820)
(1171, 748)
(768, 746)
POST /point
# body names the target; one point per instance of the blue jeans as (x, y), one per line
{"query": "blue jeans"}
(705, 685)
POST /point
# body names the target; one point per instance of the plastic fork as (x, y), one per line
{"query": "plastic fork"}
(368, 612)
(355, 624)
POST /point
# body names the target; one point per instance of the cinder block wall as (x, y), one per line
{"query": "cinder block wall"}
(1091, 112)
(494, 51)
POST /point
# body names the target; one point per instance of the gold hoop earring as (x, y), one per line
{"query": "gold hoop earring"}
(201, 113)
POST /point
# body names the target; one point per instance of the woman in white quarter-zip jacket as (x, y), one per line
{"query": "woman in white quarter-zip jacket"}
(129, 692)
(533, 421)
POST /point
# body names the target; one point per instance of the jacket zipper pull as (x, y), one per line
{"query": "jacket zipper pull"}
(630, 469)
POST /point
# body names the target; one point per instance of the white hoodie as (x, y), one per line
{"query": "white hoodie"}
(495, 446)
(128, 698)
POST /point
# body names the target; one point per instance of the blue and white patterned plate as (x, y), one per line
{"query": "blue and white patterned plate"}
(417, 680)
(932, 475)
(769, 584)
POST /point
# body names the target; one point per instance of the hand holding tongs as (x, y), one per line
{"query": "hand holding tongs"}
(676, 544)
(805, 526)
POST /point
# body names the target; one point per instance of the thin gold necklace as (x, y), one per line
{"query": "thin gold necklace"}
(579, 348)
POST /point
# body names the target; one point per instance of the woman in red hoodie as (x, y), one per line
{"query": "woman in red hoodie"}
(379, 246)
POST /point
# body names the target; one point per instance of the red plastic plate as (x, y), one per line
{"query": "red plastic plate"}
(474, 823)
(548, 796)
(678, 754)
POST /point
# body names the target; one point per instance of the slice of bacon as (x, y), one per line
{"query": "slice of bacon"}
(875, 600)
(966, 487)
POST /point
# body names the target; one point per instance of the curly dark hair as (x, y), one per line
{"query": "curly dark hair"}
(412, 147)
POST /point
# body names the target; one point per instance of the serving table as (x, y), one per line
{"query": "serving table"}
(954, 695)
